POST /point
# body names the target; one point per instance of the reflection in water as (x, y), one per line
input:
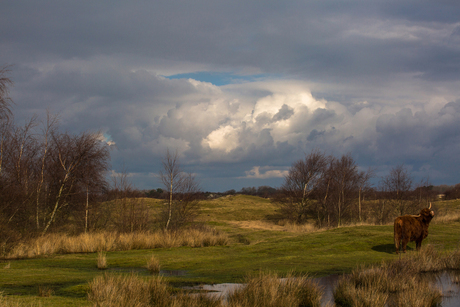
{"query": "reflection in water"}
(447, 281)
(173, 272)
(327, 283)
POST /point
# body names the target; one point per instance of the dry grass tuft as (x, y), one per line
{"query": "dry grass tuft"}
(348, 294)
(427, 260)
(267, 289)
(261, 290)
(398, 281)
(45, 291)
(131, 290)
(101, 260)
(112, 241)
(6, 301)
(419, 293)
(153, 265)
(114, 290)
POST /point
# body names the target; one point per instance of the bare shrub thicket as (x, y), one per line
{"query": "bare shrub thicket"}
(126, 209)
(324, 189)
(43, 189)
(183, 190)
(330, 192)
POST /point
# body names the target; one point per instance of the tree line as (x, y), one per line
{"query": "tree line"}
(49, 178)
(55, 181)
(332, 191)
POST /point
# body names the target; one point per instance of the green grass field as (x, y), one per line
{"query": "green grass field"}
(255, 244)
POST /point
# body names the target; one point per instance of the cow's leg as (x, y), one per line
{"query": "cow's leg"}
(418, 244)
(405, 240)
(397, 234)
(397, 243)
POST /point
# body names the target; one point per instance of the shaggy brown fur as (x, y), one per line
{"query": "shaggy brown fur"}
(410, 228)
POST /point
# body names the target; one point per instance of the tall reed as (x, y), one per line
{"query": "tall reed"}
(113, 241)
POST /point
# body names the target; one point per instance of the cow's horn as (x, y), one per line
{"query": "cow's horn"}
(430, 206)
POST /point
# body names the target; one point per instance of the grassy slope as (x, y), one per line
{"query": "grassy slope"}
(318, 253)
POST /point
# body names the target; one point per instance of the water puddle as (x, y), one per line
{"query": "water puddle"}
(448, 283)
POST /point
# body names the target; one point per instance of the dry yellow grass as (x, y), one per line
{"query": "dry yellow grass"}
(6, 301)
(153, 265)
(132, 290)
(281, 226)
(446, 218)
(264, 289)
(101, 260)
(268, 289)
(112, 241)
(400, 279)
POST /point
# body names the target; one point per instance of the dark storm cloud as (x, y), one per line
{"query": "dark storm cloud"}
(384, 77)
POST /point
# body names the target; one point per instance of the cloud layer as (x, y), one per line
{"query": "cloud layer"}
(242, 89)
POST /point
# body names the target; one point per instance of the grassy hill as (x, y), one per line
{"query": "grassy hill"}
(255, 243)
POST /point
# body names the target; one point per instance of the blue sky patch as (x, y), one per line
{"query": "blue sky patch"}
(218, 78)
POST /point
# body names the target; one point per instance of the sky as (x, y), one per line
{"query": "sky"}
(243, 89)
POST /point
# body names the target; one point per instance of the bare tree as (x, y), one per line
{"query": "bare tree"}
(49, 128)
(345, 181)
(78, 162)
(5, 112)
(424, 192)
(364, 186)
(132, 212)
(5, 100)
(398, 186)
(298, 190)
(182, 190)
